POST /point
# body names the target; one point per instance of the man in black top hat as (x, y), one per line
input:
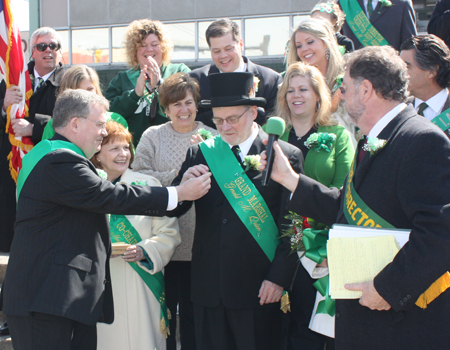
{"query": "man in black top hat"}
(240, 267)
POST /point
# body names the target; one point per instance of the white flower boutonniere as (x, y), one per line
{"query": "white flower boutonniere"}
(252, 162)
(255, 84)
(374, 145)
(385, 3)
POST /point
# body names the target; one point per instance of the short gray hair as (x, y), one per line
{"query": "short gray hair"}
(44, 31)
(75, 103)
(383, 67)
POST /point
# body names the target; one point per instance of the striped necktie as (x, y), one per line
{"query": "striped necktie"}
(39, 84)
(369, 8)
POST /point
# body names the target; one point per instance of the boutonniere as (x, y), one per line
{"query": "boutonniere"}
(103, 175)
(374, 145)
(385, 3)
(140, 183)
(252, 162)
(205, 134)
(294, 231)
(321, 140)
(255, 84)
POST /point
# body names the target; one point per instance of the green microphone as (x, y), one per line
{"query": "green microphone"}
(275, 128)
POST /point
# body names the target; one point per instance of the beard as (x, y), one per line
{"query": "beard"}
(355, 111)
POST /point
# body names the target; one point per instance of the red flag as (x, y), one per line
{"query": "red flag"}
(15, 70)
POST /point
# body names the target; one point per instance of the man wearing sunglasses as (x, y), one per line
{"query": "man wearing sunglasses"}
(236, 284)
(45, 72)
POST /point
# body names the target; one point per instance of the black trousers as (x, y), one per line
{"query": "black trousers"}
(220, 328)
(177, 277)
(48, 332)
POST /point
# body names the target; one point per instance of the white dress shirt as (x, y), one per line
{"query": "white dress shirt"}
(244, 147)
(381, 124)
(435, 104)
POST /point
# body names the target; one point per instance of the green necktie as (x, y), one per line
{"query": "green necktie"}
(39, 84)
(369, 8)
(422, 107)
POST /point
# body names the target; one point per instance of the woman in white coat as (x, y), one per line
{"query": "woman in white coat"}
(140, 320)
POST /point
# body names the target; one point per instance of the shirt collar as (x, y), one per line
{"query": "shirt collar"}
(381, 124)
(45, 77)
(244, 147)
(436, 103)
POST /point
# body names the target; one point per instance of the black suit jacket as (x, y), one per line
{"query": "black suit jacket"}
(439, 23)
(407, 183)
(267, 88)
(59, 261)
(228, 265)
(395, 23)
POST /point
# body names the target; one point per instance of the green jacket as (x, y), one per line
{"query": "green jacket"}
(330, 169)
(127, 103)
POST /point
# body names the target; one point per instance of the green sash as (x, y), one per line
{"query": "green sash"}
(37, 153)
(355, 210)
(123, 231)
(358, 213)
(442, 120)
(366, 33)
(242, 194)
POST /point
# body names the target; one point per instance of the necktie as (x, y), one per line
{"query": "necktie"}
(422, 107)
(40, 82)
(369, 8)
(362, 151)
(236, 152)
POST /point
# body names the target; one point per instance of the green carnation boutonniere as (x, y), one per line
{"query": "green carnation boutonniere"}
(252, 162)
(385, 3)
(140, 183)
(321, 140)
(374, 145)
(103, 175)
(205, 134)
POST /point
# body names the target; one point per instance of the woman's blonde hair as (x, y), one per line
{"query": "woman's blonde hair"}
(323, 116)
(137, 32)
(322, 30)
(73, 77)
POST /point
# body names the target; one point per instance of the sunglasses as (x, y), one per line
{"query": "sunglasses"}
(42, 47)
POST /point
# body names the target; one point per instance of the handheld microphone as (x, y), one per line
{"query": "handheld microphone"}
(275, 128)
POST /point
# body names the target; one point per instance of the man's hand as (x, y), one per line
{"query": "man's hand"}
(194, 188)
(269, 292)
(370, 297)
(282, 171)
(22, 127)
(194, 171)
(12, 96)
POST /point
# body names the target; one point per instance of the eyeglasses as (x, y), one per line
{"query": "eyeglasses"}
(42, 47)
(229, 120)
(99, 125)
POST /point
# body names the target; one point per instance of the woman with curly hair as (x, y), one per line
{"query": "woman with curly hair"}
(304, 102)
(134, 93)
(331, 12)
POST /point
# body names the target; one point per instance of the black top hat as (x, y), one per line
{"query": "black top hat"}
(232, 89)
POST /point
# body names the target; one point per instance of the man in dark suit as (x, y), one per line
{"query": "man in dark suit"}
(235, 285)
(226, 44)
(406, 182)
(45, 65)
(395, 22)
(428, 61)
(57, 285)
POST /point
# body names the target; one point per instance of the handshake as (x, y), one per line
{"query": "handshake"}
(195, 183)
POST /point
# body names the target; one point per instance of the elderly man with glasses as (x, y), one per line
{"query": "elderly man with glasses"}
(240, 267)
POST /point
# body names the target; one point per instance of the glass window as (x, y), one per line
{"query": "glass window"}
(203, 48)
(297, 19)
(90, 46)
(65, 46)
(183, 39)
(118, 49)
(266, 36)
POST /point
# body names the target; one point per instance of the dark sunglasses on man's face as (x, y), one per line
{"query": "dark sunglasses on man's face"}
(42, 47)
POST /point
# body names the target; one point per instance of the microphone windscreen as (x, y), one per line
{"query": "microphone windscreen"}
(275, 126)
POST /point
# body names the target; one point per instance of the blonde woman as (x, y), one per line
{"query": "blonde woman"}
(304, 102)
(133, 93)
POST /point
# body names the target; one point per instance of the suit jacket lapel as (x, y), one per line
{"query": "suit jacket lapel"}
(388, 133)
(213, 69)
(378, 12)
